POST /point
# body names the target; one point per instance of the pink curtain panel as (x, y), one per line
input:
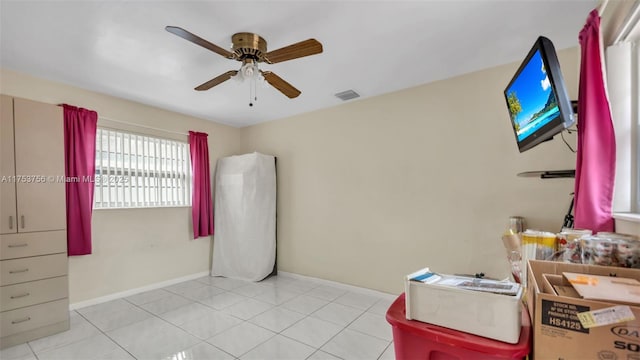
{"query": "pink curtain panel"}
(596, 156)
(80, 127)
(201, 205)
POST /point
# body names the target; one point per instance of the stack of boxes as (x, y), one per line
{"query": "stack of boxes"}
(581, 302)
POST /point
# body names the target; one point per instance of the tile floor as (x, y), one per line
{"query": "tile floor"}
(214, 318)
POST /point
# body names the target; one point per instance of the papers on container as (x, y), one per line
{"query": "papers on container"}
(467, 283)
(492, 286)
(424, 276)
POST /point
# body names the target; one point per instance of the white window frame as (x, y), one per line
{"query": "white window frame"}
(140, 171)
(623, 77)
(635, 137)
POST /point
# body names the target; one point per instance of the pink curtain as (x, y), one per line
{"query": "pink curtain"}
(596, 157)
(201, 207)
(80, 127)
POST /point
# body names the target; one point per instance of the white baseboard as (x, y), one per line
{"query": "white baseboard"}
(123, 294)
(352, 288)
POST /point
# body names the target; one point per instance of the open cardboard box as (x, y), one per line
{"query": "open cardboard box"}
(558, 285)
(558, 333)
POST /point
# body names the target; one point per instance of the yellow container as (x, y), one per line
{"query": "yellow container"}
(546, 245)
(547, 240)
(530, 237)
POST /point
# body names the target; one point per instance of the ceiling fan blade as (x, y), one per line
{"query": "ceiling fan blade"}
(294, 51)
(199, 41)
(284, 87)
(217, 80)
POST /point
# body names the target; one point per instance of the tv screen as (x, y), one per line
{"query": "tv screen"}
(537, 99)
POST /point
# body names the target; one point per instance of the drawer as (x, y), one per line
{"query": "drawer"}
(29, 318)
(33, 292)
(33, 268)
(31, 244)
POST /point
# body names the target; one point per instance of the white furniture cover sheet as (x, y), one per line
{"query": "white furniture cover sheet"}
(244, 245)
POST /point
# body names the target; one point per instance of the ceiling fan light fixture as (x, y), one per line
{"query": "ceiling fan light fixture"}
(249, 71)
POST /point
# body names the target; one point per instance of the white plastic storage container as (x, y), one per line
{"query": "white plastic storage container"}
(495, 316)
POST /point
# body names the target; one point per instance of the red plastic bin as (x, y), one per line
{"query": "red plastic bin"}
(415, 340)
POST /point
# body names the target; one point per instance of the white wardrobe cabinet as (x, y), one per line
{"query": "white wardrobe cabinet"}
(33, 246)
(32, 168)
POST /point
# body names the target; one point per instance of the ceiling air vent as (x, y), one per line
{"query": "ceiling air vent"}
(347, 95)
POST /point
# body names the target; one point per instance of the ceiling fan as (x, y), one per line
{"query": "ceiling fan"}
(251, 49)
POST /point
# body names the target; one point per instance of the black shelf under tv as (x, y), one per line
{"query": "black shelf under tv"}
(549, 174)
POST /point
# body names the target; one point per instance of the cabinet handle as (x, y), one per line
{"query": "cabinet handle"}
(20, 321)
(17, 245)
(19, 296)
(22, 221)
(18, 271)
(10, 222)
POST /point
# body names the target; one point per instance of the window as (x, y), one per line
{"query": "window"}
(636, 139)
(623, 81)
(634, 129)
(140, 171)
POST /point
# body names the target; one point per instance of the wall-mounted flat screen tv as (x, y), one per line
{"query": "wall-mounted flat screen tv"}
(537, 99)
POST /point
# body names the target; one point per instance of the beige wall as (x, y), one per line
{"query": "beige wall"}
(374, 189)
(136, 247)
(368, 191)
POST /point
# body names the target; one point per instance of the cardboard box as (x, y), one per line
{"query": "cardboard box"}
(556, 285)
(558, 333)
(494, 316)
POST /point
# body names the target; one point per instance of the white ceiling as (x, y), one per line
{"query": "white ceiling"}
(120, 48)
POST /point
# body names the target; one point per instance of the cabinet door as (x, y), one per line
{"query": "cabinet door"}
(8, 218)
(39, 147)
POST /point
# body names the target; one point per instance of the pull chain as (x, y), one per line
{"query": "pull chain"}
(253, 97)
(255, 90)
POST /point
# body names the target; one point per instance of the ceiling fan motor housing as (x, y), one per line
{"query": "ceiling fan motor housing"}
(249, 46)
